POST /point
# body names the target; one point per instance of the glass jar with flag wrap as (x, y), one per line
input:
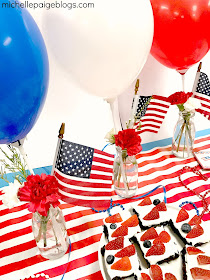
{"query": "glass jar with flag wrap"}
(125, 174)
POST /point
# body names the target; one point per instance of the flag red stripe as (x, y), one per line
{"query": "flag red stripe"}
(150, 120)
(156, 110)
(147, 130)
(152, 115)
(84, 192)
(102, 168)
(82, 183)
(104, 153)
(98, 204)
(100, 177)
(151, 125)
(156, 103)
(159, 97)
(102, 160)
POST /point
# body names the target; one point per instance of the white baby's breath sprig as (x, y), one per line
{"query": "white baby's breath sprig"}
(9, 197)
(110, 136)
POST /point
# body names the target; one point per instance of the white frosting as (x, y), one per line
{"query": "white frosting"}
(125, 214)
(170, 247)
(205, 225)
(191, 261)
(144, 210)
(133, 259)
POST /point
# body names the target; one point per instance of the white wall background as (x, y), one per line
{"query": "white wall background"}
(88, 118)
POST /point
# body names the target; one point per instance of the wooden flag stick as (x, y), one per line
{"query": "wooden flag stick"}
(135, 104)
(60, 137)
(197, 76)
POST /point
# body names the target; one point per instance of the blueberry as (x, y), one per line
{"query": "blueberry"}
(186, 228)
(147, 244)
(113, 226)
(156, 201)
(110, 259)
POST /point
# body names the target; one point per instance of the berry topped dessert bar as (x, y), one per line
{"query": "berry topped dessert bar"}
(190, 228)
(122, 223)
(120, 259)
(151, 212)
(196, 263)
(157, 245)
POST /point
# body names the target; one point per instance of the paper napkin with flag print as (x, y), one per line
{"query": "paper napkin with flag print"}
(151, 111)
(203, 94)
(84, 175)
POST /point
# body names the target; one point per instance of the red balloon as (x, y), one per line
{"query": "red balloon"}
(181, 32)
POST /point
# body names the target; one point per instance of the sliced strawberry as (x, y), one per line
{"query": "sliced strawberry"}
(156, 249)
(202, 259)
(151, 233)
(194, 251)
(120, 231)
(131, 222)
(114, 219)
(156, 272)
(196, 220)
(170, 276)
(123, 264)
(116, 244)
(152, 215)
(161, 206)
(182, 216)
(146, 201)
(200, 273)
(145, 276)
(196, 231)
(163, 237)
(127, 251)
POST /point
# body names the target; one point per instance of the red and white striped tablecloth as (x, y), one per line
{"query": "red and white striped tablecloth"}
(19, 257)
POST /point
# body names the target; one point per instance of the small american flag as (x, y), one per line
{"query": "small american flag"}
(84, 175)
(203, 94)
(152, 114)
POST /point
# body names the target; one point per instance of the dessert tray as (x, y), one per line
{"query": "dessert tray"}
(175, 263)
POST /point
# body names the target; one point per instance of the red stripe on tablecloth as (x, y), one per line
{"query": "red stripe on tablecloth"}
(85, 226)
(15, 220)
(74, 264)
(16, 233)
(12, 210)
(21, 264)
(18, 248)
(97, 275)
(86, 242)
(79, 214)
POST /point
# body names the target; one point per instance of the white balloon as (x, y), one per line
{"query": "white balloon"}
(104, 48)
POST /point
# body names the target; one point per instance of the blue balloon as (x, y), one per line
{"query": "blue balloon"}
(24, 72)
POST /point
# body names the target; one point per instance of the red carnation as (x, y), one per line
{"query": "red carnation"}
(179, 97)
(41, 192)
(130, 140)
